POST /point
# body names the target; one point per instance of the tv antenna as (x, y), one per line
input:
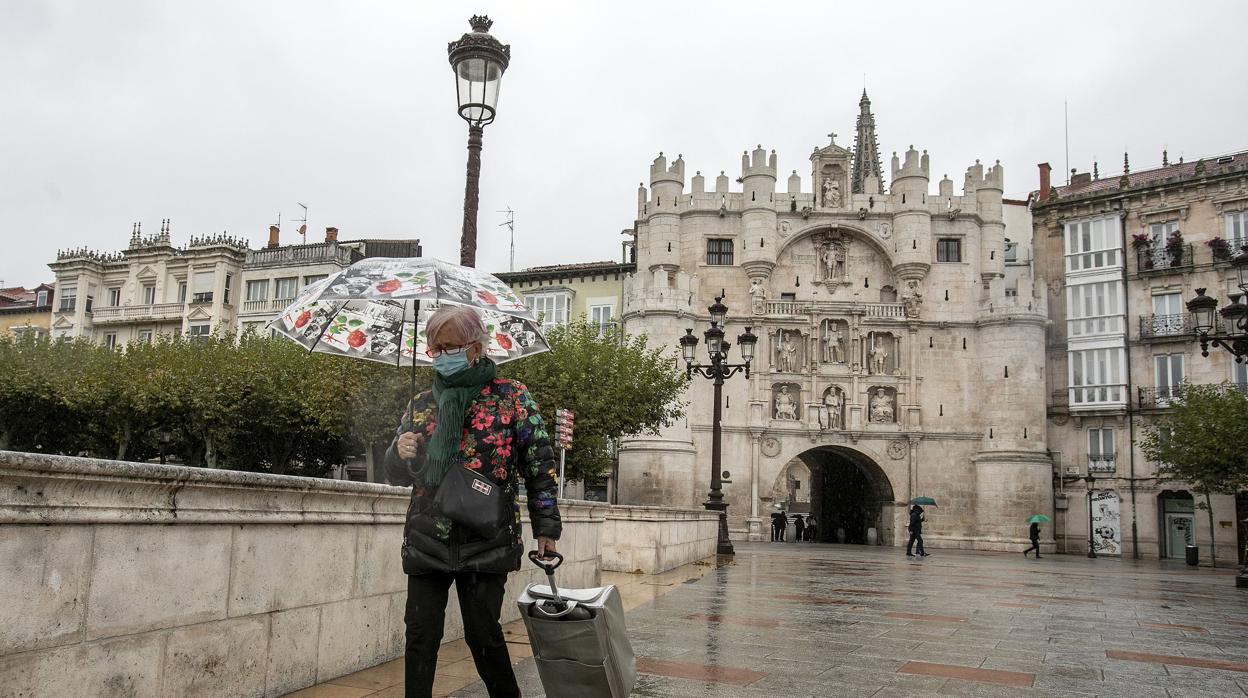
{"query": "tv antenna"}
(303, 227)
(511, 226)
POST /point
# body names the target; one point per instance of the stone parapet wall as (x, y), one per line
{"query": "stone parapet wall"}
(131, 579)
(657, 539)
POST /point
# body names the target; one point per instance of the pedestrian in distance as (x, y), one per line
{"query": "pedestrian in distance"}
(776, 526)
(1034, 533)
(506, 441)
(916, 531)
(810, 528)
(783, 523)
(799, 527)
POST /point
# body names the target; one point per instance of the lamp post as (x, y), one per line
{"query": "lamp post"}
(479, 61)
(1231, 336)
(1091, 480)
(718, 370)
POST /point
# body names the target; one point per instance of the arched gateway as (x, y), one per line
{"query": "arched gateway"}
(847, 492)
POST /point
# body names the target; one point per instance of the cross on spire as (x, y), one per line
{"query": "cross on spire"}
(833, 137)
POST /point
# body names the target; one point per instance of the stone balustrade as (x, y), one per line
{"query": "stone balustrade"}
(132, 579)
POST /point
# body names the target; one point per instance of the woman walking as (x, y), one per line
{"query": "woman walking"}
(1034, 532)
(471, 419)
(916, 531)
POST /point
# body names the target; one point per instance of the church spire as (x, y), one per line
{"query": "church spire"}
(866, 148)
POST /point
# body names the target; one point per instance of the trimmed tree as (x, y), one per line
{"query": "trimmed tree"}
(614, 384)
(1201, 441)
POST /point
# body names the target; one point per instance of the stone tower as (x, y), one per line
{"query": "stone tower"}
(866, 149)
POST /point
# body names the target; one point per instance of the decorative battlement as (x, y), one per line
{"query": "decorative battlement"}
(660, 172)
(915, 165)
(977, 178)
(217, 240)
(660, 290)
(139, 241)
(758, 163)
(86, 255)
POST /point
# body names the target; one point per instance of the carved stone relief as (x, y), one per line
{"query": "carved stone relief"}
(897, 449)
(912, 298)
(882, 405)
(834, 334)
(758, 296)
(789, 351)
(881, 354)
(771, 447)
(786, 401)
(832, 408)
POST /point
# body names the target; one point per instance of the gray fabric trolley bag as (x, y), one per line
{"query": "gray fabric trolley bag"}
(578, 638)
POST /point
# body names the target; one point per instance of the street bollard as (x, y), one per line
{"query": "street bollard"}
(1193, 555)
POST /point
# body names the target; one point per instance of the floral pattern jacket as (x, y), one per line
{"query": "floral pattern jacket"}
(504, 439)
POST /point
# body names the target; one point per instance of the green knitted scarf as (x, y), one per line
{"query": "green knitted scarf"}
(453, 394)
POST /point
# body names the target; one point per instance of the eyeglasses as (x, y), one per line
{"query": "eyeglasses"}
(434, 352)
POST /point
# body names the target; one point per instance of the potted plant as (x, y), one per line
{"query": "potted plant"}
(1141, 240)
(1174, 248)
(1221, 249)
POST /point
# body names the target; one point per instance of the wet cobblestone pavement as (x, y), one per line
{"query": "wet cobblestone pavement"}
(821, 620)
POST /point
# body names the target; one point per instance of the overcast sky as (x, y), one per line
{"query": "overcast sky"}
(219, 115)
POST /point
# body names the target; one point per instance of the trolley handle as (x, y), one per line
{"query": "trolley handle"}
(542, 562)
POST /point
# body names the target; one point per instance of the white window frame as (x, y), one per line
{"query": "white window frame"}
(292, 281)
(1100, 450)
(1093, 243)
(149, 294)
(602, 315)
(1239, 376)
(69, 298)
(551, 308)
(114, 296)
(146, 336)
(41, 298)
(1094, 309)
(182, 292)
(199, 332)
(1236, 229)
(110, 340)
(313, 278)
(251, 291)
(1097, 376)
(1169, 371)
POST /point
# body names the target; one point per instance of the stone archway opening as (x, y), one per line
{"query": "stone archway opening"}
(849, 496)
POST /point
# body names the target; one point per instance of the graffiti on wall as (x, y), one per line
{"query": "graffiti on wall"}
(1106, 523)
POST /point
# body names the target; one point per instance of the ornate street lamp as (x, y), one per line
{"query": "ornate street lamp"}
(479, 61)
(1091, 480)
(1233, 335)
(717, 370)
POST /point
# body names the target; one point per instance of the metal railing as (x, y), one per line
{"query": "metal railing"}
(202, 297)
(1159, 396)
(1100, 463)
(1163, 257)
(1166, 325)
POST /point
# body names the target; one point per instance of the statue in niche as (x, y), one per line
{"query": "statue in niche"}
(831, 408)
(881, 406)
(788, 352)
(912, 299)
(833, 343)
(758, 296)
(833, 257)
(831, 192)
(879, 356)
(786, 405)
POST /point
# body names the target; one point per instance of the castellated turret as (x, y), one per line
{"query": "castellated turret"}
(912, 222)
(989, 188)
(662, 214)
(758, 208)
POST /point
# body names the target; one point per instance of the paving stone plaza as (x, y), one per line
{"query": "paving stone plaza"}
(825, 620)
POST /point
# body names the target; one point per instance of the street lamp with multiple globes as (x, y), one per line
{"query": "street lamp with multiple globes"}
(479, 61)
(1090, 479)
(1231, 336)
(717, 370)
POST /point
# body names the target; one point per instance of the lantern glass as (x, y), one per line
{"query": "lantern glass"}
(1203, 309)
(688, 346)
(477, 81)
(747, 342)
(718, 311)
(1240, 264)
(1234, 314)
(714, 342)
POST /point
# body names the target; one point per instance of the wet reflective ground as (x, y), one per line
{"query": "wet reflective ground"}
(822, 620)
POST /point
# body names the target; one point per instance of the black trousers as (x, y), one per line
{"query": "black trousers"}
(480, 603)
(915, 536)
(1035, 545)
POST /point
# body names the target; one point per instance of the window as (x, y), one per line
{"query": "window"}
(1093, 244)
(1168, 371)
(1096, 377)
(1239, 376)
(1159, 233)
(257, 290)
(550, 308)
(1101, 450)
(149, 295)
(114, 297)
(1094, 308)
(313, 278)
(1011, 252)
(69, 298)
(601, 316)
(788, 296)
(181, 291)
(201, 287)
(145, 336)
(948, 250)
(229, 281)
(1237, 230)
(199, 333)
(287, 288)
(90, 297)
(719, 251)
(41, 299)
(110, 340)
(1169, 314)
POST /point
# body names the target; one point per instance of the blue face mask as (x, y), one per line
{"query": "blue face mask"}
(450, 364)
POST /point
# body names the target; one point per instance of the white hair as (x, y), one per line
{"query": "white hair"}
(465, 320)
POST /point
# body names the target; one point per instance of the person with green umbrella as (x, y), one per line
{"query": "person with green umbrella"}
(1034, 534)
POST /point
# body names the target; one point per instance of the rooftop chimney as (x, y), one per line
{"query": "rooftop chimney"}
(273, 233)
(1046, 186)
(331, 234)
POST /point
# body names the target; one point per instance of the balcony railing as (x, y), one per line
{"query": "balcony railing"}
(203, 297)
(67, 305)
(1166, 325)
(1159, 396)
(896, 310)
(265, 305)
(131, 313)
(303, 254)
(1101, 463)
(1151, 258)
